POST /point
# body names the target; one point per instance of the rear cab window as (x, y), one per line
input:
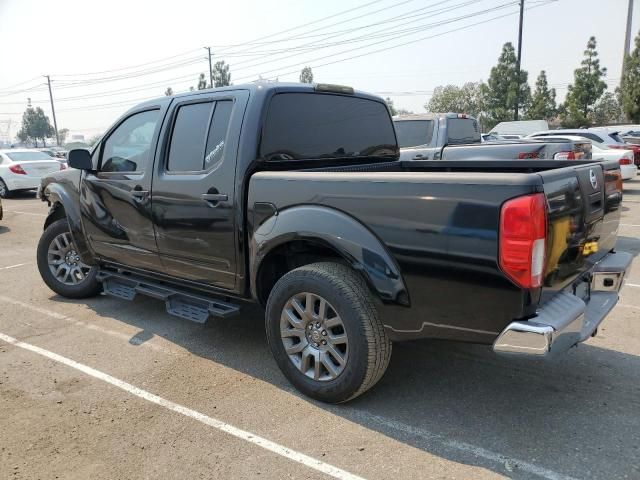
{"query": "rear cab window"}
(462, 130)
(304, 126)
(413, 133)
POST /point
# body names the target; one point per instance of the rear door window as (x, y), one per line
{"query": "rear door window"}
(198, 137)
(302, 126)
(462, 130)
(412, 133)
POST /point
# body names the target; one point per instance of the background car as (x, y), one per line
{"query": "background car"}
(601, 152)
(22, 169)
(602, 136)
(628, 169)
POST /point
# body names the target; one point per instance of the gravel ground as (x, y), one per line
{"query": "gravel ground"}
(443, 410)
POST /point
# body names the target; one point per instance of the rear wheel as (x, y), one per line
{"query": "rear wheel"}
(60, 265)
(4, 190)
(325, 334)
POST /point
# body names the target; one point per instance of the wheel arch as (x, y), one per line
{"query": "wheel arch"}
(64, 206)
(306, 234)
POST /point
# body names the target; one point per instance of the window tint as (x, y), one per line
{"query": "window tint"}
(412, 133)
(128, 148)
(320, 125)
(217, 133)
(462, 130)
(188, 138)
(616, 137)
(590, 136)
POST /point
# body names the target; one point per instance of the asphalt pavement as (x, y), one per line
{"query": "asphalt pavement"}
(104, 388)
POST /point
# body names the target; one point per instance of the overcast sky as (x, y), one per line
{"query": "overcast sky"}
(99, 54)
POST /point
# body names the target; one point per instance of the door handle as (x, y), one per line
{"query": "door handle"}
(139, 193)
(214, 198)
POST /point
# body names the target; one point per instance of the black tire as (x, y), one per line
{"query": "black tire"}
(4, 190)
(369, 346)
(88, 287)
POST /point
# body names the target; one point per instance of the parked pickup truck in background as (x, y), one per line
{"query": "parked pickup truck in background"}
(292, 196)
(455, 136)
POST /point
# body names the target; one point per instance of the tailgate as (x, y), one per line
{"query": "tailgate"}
(583, 216)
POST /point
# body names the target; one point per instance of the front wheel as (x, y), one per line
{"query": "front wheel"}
(60, 265)
(324, 332)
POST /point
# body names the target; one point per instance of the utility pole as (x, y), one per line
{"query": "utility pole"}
(208, 49)
(53, 111)
(627, 37)
(515, 113)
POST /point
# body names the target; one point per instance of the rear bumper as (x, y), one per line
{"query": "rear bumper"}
(567, 320)
(628, 172)
(22, 182)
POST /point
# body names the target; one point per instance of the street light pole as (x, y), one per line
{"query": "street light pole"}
(208, 49)
(517, 106)
(53, 111)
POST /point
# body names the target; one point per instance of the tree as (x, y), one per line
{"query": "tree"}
(35, 126)
(306, 75)
(221, 74)
(62, 135)
(392, 108)
(403, 111)
(168, 92)
(629, 95)
(607, 110)
(202, 82)
(94, 139)
(451, 98)
(586, 90)
(543, 101)
(500, 91)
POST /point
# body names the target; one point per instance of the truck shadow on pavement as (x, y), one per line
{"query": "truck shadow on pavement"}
(575, 417)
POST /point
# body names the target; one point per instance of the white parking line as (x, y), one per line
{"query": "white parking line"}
(276, 448)
(629, 225)
(26, 213)
(464, 447)
(632, 285)
(15, 266)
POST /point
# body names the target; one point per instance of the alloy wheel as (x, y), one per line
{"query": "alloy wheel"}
(314, 336)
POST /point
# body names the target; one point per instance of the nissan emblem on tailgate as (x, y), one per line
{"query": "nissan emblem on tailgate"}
(593, 179)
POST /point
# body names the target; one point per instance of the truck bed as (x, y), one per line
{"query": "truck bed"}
(440, 220)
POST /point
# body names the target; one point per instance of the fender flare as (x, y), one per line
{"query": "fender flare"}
(330, 227)
(56, 194)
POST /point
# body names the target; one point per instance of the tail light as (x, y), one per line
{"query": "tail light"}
(523, 233)
(613, 182)
(17, 168)
(565, 156)
(528, 155)
(62, 166)
(625, 161)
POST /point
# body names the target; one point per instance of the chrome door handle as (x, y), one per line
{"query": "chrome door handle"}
(215, 197)
(139, 193)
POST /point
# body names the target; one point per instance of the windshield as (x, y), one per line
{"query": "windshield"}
(412, 133)
(28, 156)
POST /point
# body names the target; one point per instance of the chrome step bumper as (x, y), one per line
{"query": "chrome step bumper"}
(566, 320)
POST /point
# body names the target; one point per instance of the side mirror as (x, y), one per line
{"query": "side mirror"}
(81, 159)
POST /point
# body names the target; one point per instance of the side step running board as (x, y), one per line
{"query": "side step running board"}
(180, 303)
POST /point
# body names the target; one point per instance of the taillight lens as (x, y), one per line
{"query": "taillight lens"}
(17, 169)
(565, 156)
(626, 161)
(523, 233)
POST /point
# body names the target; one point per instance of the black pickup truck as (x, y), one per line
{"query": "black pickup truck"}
(293, 196)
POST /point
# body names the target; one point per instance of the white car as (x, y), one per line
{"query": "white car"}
(22, 169)
(596, 135)
(625, 157)
(601, 152)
